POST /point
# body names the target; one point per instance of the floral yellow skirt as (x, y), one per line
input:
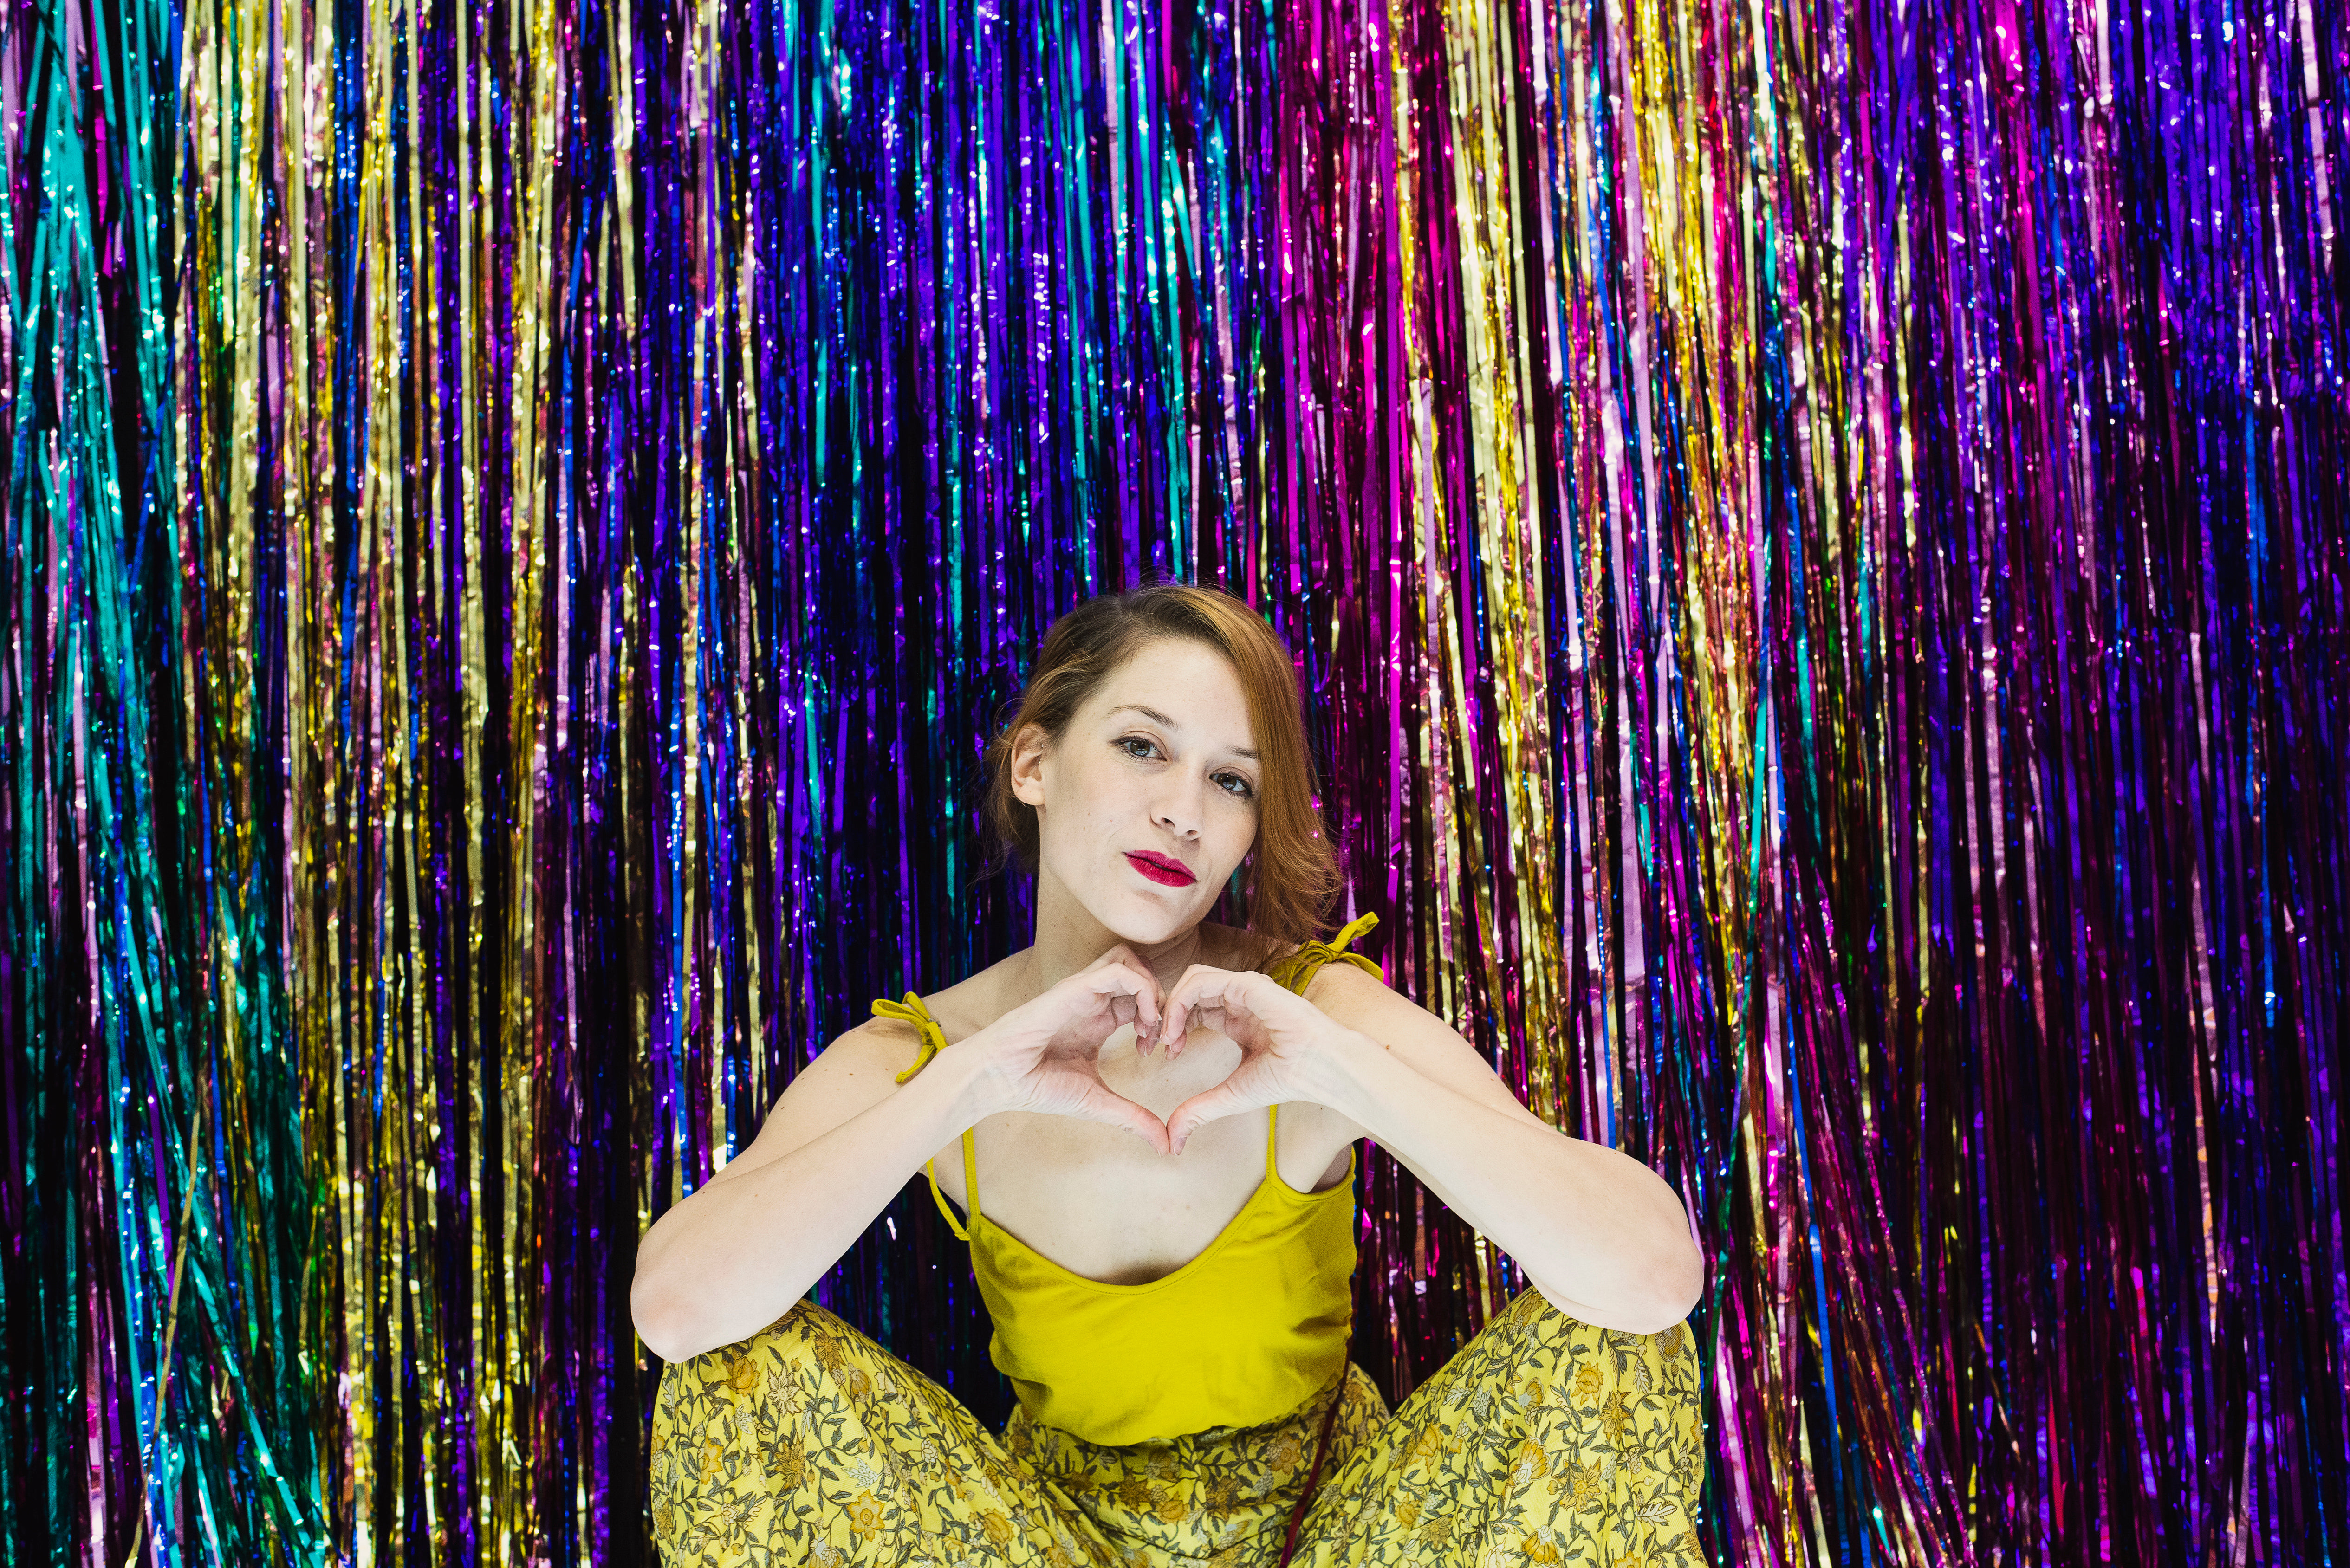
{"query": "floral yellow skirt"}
(1544, 1440)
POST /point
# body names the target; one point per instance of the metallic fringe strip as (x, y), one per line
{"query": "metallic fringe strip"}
(1815, 534)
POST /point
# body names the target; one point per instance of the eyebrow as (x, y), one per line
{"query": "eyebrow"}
(1156, 717)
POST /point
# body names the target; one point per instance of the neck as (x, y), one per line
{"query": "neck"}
(1069, 940)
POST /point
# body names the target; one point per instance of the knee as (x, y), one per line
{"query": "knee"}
(799, 1331)
(1568, 1357)
(1532, 1315)
(816, 1351)
(739, 1369)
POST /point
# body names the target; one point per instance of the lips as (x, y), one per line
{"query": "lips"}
(1160, 869)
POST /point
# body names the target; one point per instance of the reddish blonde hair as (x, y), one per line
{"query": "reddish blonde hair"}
(1289, 875)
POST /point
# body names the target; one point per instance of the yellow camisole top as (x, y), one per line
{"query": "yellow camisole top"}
(1243, 1333)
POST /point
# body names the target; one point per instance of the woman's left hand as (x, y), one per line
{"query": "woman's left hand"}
(1283, 1040)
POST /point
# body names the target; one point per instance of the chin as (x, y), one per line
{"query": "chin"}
(1142, 921)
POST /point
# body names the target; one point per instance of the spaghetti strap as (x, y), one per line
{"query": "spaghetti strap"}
(934, 1039)
(930, 1169)
(1272, 1131)
(970, 1189)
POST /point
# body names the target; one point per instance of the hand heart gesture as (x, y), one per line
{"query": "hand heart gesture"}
(1281, 1036)
(1044, 1054)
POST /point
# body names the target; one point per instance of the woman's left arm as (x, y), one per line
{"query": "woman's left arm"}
(1602, 1236)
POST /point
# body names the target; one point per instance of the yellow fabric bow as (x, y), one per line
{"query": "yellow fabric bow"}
(912, 1010)
(1293, 972)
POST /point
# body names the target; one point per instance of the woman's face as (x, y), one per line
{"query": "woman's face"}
(1146, 803)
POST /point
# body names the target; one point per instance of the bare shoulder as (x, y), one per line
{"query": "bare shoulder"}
(857, 1071)
(859, 1066)
(973, 1002)
(1351, 994)
(878, 1045)
(1417, 1037)
(1363, 1001)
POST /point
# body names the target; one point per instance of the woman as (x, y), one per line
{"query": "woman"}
(1149, 1121)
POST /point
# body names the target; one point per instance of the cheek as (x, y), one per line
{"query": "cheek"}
(1238, 833)
(1089, 809)
(1107, 794)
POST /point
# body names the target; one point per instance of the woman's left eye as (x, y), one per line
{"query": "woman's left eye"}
(1234, 785)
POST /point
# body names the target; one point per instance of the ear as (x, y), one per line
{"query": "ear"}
(1027, 765)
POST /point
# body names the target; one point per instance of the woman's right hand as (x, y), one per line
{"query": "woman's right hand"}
(1044, 1056)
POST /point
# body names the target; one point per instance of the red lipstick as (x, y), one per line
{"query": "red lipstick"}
(1160, 869)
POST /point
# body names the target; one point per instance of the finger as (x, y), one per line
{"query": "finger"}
(1208, 1012)
(1146, 1014)
(1148, 997)
(1234, 1009)
(1124, 958)
(1136, 988)
(1145, 1003)
(1197, 986)
(1175, 1027)
(1239, 1019)
(1212, 1010)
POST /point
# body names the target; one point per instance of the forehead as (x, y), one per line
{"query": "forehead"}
(1183, 684)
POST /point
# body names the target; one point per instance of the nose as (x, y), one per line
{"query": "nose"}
(1178, 806)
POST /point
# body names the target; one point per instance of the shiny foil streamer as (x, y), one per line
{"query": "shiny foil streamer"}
(1815, 534)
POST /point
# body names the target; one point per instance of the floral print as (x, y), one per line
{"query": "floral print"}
(1546, 1440)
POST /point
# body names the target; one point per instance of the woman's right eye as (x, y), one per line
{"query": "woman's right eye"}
(1128, 743)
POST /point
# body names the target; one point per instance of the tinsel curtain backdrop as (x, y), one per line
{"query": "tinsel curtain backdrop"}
(1814, 532)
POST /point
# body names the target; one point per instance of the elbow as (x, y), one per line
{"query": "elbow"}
(663, 1320)
(1664, 1292)
(679, 1319)
(1680, 1280)
(664, 1345)
(669, 1304)
(1648, 1297)
(1665, 1298)
(1675, 1275)
(1671, 1279)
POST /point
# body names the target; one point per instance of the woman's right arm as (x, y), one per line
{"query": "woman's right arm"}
(840, 1143)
